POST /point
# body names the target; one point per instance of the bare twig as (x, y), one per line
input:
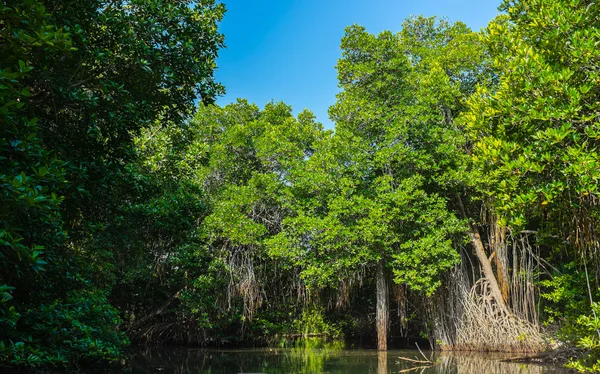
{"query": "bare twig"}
(422, 354)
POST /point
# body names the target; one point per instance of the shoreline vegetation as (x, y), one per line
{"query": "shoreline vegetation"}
(456, 201)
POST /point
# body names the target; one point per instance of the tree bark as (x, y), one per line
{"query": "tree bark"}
(486, 265)
(502, 277)
(499, 248)
(382, 314)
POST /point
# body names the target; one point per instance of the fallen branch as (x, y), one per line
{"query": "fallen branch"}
(422, 354)
(415, 361)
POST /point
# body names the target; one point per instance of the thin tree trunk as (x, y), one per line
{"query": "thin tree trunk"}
(382, 314)
(498, 245)
(502, 276)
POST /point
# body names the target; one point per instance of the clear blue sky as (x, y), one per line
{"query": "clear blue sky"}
(286, 50)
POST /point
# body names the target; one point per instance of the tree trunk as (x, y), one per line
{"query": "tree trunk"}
(486, 266)
(382, 314)
(499, 248)
(484, 261)
(502, 276)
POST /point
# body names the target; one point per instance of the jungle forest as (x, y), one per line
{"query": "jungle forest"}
(457, 200)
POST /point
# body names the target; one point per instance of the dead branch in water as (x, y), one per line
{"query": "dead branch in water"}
(415, 361)
(423, 364)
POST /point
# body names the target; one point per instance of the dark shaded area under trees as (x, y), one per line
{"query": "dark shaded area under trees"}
(456, 200)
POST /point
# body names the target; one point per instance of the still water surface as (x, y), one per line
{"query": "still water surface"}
(197, 361)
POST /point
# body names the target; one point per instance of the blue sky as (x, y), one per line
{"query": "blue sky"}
(287, 50)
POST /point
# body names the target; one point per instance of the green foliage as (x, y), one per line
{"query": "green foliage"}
(312, 322)
(78, 80)
(205, 196)
(376, 188)
(252, 160)
(82, 327)
(584, 333)
(29, 174)
(536, 134)
(563, 295)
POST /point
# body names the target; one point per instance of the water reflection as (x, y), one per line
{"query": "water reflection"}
(271, 361)
(382, 362)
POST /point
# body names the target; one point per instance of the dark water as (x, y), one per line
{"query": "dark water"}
(197, 361)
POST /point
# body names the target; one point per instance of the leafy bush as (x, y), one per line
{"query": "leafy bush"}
(79, 328)
(585, 334)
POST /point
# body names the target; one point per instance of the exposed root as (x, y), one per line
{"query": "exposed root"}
(475, 314)
(243, 282)
(486, 327)
(470, 320)
(182, 331)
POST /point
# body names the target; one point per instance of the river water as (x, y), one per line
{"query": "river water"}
(272, 361)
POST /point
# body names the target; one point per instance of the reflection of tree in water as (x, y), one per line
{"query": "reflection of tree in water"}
(167, 360)
(382, 362)
(317, 361)
(465, 363)
(307, 361)
(186, 361)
